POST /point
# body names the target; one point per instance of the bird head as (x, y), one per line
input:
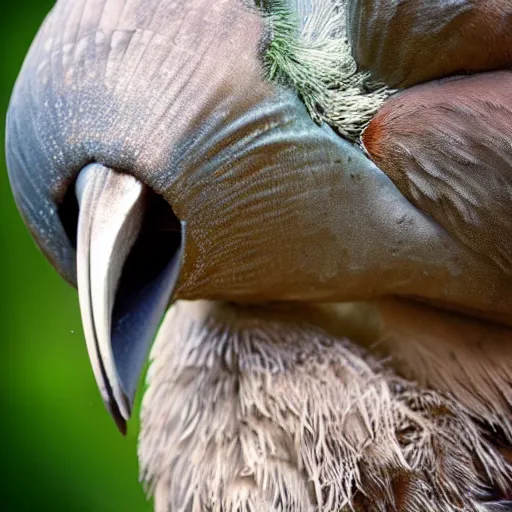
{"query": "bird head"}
(185, 150)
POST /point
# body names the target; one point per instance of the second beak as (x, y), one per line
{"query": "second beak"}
(118, 327)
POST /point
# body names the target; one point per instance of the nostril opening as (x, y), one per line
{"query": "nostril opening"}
(145, 289)
(156, 246)
(160, 233)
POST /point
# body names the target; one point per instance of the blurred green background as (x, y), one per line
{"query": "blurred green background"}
(60, 449)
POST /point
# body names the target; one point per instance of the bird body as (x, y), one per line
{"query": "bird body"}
(274, 408)
(335, 252)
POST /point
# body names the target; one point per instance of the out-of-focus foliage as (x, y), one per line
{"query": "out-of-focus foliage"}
(60, 451)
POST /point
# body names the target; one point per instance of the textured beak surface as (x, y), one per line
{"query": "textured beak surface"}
(119, 318)
(276, 206)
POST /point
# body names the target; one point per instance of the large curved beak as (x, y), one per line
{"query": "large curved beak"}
(121, 305)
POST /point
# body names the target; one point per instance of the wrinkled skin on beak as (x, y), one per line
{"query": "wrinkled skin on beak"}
(207, 182)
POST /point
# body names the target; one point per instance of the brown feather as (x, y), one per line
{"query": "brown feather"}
(463, 356)
(447, 147)
(405, 42)
(260, 409)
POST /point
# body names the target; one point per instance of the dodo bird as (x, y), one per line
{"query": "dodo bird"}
(320, 193)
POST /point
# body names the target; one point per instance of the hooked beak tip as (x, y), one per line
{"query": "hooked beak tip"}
(118, 418)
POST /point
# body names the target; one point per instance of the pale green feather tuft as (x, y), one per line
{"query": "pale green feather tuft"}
(315, 59)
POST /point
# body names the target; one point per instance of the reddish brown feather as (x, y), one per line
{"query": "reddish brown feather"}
(447, 146)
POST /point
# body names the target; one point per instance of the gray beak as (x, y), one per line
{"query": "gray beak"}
(121, 310)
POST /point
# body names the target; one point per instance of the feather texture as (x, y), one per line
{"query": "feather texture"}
(447, 146)
(309, 51)
(405, 42)
(252, 409)
(457, 354)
